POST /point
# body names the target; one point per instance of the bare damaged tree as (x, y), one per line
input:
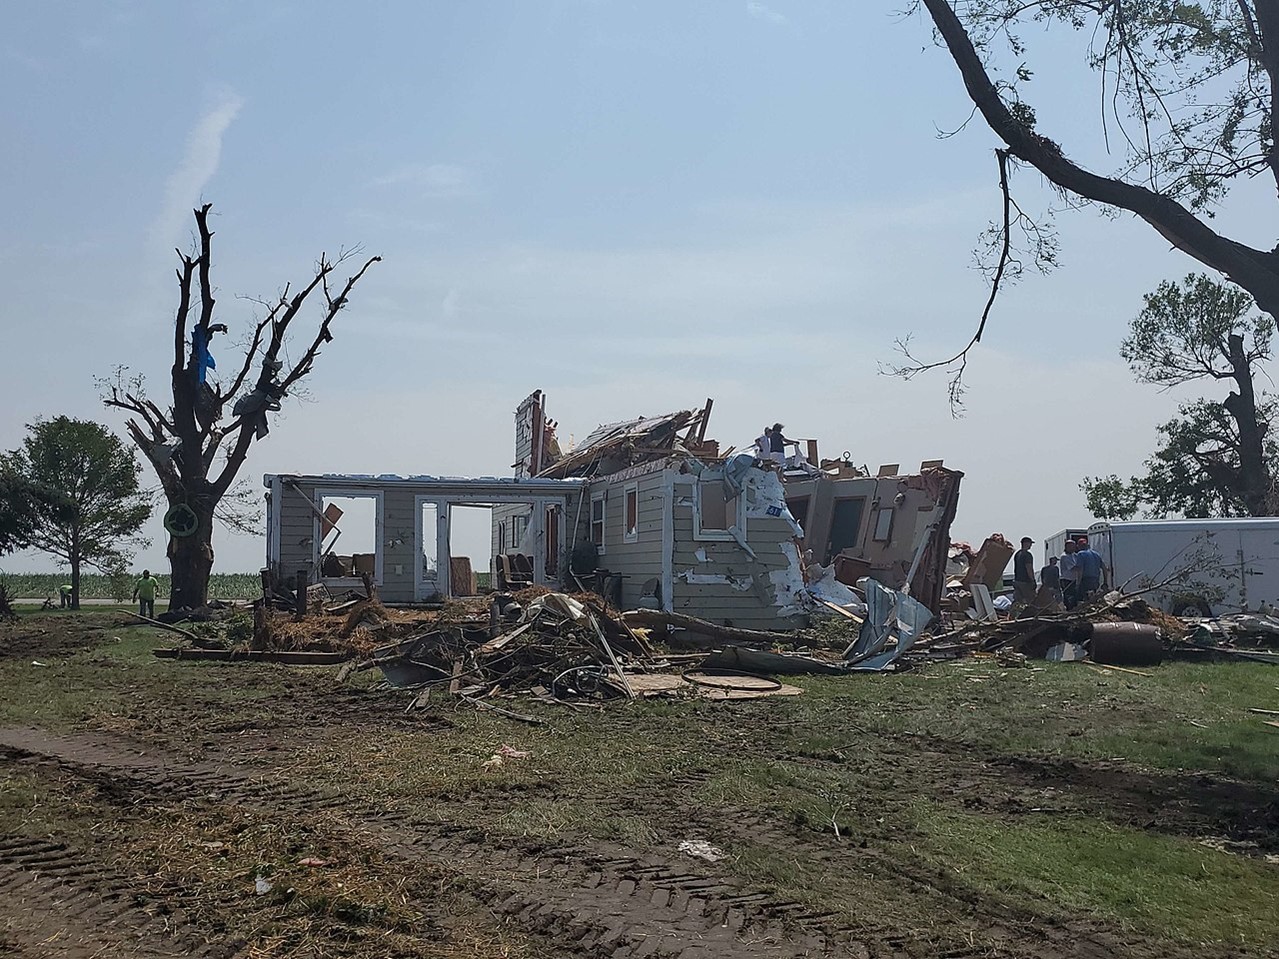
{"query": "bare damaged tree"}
(182, 443)
(1192, 88)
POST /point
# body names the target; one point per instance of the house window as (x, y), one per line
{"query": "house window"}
(518, 525)
(799, 509)
(552, 529)
(597, 521)
(845, 526)
(715, 512)
(348, 534)
(632, 513)
(884, 525)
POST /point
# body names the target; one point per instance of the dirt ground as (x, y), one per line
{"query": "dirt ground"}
(157, 808)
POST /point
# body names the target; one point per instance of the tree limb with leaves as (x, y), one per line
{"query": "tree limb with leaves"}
(196, 455)
(1218, 457)
(1190, 87)
(83, 502)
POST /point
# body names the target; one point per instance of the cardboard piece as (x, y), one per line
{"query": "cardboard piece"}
(989, 564)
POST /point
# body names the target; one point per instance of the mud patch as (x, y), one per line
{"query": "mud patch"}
(59, 903)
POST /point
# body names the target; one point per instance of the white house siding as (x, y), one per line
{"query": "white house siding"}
(298, 524)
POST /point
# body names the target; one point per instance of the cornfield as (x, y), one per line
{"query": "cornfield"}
(98, 586)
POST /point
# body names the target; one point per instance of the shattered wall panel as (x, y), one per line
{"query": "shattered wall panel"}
(723, 582)
(918, 502)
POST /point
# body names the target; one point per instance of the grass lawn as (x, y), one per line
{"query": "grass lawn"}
(1050, 794)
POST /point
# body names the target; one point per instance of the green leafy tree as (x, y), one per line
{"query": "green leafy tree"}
(1187, 92)
(18, 505)
(197, 442)
(92, 506)
(1109, 497)
(1216, 458)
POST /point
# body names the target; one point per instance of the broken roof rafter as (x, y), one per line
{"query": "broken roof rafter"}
(633, 441)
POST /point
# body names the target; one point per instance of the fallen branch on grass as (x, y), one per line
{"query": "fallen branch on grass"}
(173, 629)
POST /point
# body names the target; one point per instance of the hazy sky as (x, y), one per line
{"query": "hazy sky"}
(632, 206)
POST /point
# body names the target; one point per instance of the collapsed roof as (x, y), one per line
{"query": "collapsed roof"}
(615, 446)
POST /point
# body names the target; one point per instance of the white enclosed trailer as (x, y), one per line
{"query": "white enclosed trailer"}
(1055, 544)
(1208, 566)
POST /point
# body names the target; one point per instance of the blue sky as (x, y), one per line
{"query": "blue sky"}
(632, 206)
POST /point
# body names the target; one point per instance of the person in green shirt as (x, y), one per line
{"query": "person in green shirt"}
(144, 593)
(64, 595)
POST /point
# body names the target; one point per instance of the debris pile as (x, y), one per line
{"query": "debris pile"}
(1252, 636)
(559, 644)
(1118, 629)
(616, 446)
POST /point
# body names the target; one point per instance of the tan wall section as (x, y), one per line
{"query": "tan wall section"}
(640, 560)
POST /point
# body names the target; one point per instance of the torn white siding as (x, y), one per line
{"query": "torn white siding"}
(755, 585)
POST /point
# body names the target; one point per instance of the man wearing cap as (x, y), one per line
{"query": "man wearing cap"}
(1024, 572)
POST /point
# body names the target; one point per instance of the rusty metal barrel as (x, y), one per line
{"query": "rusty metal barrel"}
(1126, 644)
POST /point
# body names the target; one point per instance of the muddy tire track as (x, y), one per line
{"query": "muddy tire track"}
(600, 901)
(62, 904)
(593, 901)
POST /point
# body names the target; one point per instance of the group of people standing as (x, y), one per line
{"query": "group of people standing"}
(1074, 576)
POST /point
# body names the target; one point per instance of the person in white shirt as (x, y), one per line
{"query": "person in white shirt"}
(765, 443)
(1069, 567)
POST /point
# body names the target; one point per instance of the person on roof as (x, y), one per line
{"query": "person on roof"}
(777, 444)
(764, 444)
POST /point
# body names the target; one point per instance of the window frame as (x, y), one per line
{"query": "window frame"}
(716, 535)
(319, 494)
(630, 534)
(879, 516)
(600, 497)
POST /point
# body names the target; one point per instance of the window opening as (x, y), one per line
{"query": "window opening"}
(348, 535)
(597, 521)
(632, 513)
(799, 509)
(430, 544)
(552, 528)
(716, 511)
(470, 546)
(845, 526)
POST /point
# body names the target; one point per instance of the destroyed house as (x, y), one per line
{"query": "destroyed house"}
(399, 530)
(678, 524)
(648, 512)
(893, 528)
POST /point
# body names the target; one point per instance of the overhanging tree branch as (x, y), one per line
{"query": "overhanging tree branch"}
(1254, 270)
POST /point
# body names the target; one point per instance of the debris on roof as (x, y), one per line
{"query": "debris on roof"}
(615, 446)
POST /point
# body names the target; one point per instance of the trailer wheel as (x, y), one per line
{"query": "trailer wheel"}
(1191, 607)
